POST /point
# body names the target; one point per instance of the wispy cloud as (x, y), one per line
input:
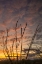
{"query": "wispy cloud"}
(11, 11)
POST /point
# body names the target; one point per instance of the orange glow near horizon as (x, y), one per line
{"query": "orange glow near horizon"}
(2, 56)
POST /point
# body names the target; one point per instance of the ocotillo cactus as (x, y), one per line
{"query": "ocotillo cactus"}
(22, 34)
(32, 40)
(16, 36)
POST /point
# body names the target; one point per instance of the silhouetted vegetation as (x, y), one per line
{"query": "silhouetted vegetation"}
(10, 51)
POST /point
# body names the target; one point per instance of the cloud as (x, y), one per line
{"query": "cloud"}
(11, 11)
(1, 11)
(25, 8)
(29, 20)
(32, 13)
(2, 32)
(39, 37)
(21, 3)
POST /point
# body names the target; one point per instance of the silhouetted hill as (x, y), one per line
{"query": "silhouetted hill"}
(22, 62)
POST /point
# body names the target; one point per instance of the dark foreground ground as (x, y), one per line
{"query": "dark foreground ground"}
(22, 62)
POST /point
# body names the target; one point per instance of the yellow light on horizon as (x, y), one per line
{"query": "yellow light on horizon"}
(3, 56)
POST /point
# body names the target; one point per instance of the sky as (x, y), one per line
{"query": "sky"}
(23, 11)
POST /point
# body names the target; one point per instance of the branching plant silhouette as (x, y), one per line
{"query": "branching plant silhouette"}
(10, 52)
(36, 31)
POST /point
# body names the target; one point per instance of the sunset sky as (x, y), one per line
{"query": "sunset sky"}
(23, 11)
